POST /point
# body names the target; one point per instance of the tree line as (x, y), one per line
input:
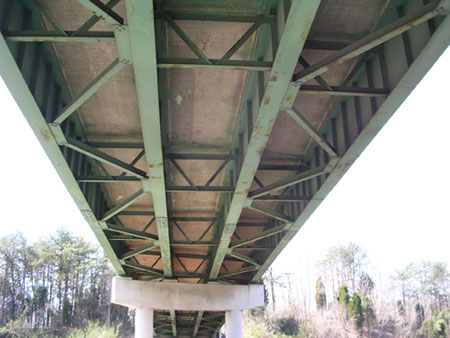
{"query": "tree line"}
(348, 303)
(55, 284)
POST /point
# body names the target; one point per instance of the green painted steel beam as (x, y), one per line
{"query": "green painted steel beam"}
(107, 179)
(105, 36)
(54, 36)
(19, 89)
(280, 167)
(372, 40)
(185, 63)
(269, 212)
(50, 18)
(253, 28)
(193, 244)
(298, 24)
(222, 189)
(123, 205)
(93, 19)
(243, 258)
(174, 188)
(436, 46)
(89, 90)
(343, 91)
(261, 235)
(101, 10)
(283, 198)
(127, 231)
(103, 157)
(187, 40)
(214, 16)
(198, 321)
(143, 49)
(310, 130)
(173, 322)
(116, 145)
(194, 156)
(143, 268)
(139, 250)
(287, 182)
(238, 272)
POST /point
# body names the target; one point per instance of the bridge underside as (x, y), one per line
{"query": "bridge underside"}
(197, 137)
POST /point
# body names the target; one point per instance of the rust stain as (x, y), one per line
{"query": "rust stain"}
(152, 166)
(45, 135)
(274, 77)
(266, 100)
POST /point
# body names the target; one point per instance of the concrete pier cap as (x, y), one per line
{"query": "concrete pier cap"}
(168, 295)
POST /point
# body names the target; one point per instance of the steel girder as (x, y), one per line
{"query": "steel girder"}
(298, 23)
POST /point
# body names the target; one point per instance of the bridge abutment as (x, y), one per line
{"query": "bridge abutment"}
(146, 297)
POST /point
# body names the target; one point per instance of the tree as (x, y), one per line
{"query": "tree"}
(369, 314)
(355, 311)
(404, 280)
(366, 284)
(344, 264)
(321, 297)
(273, 280)
(420, 316)
(58, 280)
(343, 296)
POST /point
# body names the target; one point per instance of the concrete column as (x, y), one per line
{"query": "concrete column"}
(233, 323)
(143, 323)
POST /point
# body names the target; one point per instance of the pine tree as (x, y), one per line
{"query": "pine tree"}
(355, 311)
(343, 297)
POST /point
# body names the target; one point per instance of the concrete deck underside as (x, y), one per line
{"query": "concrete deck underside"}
(205, 111)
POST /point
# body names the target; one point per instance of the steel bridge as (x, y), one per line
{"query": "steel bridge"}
(198, 136)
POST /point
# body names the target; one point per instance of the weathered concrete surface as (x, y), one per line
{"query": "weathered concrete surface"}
(185, 296)
(143, 326)
(233, 321)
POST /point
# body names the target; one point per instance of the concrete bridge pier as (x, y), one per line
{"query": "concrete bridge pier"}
(146, 297)
(143, 326)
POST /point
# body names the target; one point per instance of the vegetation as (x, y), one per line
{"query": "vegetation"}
(349, 304)
(55, 285)
(59, 286)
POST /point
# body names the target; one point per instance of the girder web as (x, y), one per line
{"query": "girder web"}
(262, 199)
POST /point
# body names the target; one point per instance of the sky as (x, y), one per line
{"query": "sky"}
(393, 201)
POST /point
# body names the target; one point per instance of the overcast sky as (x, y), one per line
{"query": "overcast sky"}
(393, 201)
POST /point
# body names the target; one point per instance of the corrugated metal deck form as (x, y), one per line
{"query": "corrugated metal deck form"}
(197, 137)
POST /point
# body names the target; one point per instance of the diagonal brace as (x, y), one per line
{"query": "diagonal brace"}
(94, 19)
(370, 41)
(197, 51)
(261, 235)
(243, 258)
(287, 182)
(139, 250)
(127, 231)
(304, 123)
(125, 204)
(102, 11)
(270, 212)
(242, 40)
(103, 157)
(90, 90)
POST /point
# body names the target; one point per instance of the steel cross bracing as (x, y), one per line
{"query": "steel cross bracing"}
(263, 197)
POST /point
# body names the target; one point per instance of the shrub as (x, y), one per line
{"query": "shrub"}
(287, 325)
(94, 330)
